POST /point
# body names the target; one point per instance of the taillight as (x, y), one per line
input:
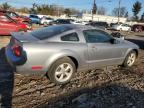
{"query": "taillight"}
(17, 50)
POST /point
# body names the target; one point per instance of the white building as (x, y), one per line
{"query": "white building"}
(104, 18)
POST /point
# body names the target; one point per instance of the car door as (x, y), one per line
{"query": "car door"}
(101, 50)
(6, 25)
(125, 27)
(34, 18)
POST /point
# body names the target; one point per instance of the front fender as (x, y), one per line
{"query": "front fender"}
(129, 50)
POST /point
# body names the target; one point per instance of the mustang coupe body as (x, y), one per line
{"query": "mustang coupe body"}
(59, 51)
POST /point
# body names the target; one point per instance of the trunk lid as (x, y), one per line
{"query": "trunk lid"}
(23, 37)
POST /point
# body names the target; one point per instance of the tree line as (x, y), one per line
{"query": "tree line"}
(57, 10)
(43, 9)
(122, 11)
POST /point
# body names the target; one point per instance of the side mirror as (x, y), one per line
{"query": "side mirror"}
(113, 41)
(117, 35)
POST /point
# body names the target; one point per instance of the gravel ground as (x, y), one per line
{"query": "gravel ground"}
(111, 87)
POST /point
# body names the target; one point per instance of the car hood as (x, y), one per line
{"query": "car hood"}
(128, 43)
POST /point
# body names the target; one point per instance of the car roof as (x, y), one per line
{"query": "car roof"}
(1, 13)
(33, 15)
(79, 27)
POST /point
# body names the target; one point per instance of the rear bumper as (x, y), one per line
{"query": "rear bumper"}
(24, 69)
(12, 59)
(20, 65)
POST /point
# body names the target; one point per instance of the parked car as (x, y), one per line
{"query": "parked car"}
(121, 27)
(8, 25)
(111, 24)
(46, 21)
(18, 18)
(61, 50)
(77, 22)
(138, 28)
(80, 22)
(61, 21)
(103, 25)
(71, 20)
(35, 19)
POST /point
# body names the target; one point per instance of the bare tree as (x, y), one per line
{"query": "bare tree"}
(142, 17)
(126, 14)
(116, 11)
(23, 10)
(101, 11)
(67, 11)
(5, 6)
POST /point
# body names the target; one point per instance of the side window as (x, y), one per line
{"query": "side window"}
(33, 16)
(12, 14)
(96, 36)
(124, 25)
(70, 37)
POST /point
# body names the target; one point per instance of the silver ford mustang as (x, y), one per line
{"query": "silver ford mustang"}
(61, 50)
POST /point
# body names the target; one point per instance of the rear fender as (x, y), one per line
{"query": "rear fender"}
(58, 55)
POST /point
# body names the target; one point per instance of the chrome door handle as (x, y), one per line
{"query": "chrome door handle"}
(93, 47)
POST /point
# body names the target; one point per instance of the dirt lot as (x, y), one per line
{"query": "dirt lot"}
(111, 87)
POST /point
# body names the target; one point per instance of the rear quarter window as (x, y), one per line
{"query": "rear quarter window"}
(70, 37)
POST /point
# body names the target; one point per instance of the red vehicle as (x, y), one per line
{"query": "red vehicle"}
(18, 18)
(8, 25)
(138, 28)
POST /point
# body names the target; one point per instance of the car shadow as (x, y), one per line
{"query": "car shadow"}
(104, 96)
(140, 43)
(6, 81)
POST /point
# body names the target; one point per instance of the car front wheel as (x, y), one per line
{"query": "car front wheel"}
(45, 23)
(62, 71)
(130, 59)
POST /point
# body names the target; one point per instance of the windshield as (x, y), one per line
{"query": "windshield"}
(12, 14)
(48, 32)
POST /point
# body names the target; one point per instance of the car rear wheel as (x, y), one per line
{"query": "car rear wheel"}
(62, 71)
(130, 59)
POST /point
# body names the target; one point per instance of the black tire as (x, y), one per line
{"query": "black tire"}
(129, 30)
(126, 64)
(45, 23)
(56, 65)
